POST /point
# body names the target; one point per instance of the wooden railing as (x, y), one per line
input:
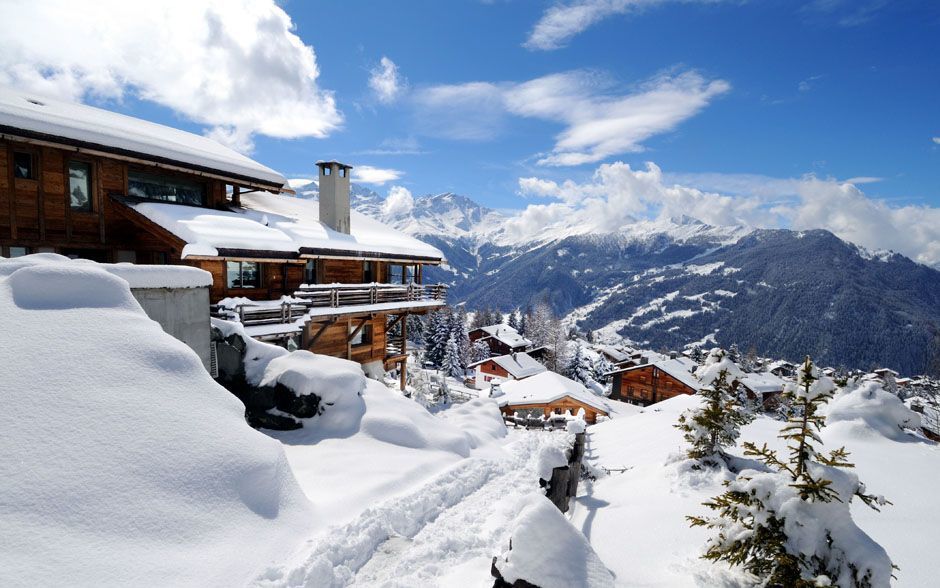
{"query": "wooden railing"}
(332, 296)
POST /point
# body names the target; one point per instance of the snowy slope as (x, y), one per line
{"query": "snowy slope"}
(122, 462)
(635, 519)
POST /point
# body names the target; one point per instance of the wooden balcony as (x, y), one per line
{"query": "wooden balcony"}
(332, 300)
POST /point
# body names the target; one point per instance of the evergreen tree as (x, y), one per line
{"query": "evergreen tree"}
(716, 424)
(479, 351)
(497, 317)
(416, 326)
(523, 327)
(601, 368)
(458, 330)
(436, 336)
(578, 366)
(791, 525)
(733, 354)
(697, 355)
(514, 319)
(451, 363)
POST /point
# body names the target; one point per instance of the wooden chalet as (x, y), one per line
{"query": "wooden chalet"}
(549, 393)
(501, 339)
(93, 184)
(763, 388)
(496, 370)
(651, 382)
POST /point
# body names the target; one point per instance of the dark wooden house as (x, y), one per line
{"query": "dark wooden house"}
(648, 383)
(501, 339)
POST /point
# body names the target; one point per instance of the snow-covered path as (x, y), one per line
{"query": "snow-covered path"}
(443, 533)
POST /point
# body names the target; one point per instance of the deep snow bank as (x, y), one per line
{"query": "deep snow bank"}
(121, 461)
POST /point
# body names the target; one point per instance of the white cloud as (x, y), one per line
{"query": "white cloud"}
(236, 66)
(936, 140)
(366, 174)
(597, 123)
(399, 202)
(561, 22)
(617, 195)
(386, 82)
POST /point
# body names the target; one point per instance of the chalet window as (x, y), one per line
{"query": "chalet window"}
(23, 166)
(126, 256)
(243, 274)
(310, 272)
(160, 258)
(326, 171)
(401, 273)
(80, 185)
(363, 337)
(19, 251)
(165, 188)
(368, 272)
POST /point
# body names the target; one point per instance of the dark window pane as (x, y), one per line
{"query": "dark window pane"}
(19, 251)
(80, 185)
(242, 274)
(310, 272)
(160, 257)
(368, 272)
(250, 274)
(232, 274)
(23, 166)
(165, 188)
(395, 274)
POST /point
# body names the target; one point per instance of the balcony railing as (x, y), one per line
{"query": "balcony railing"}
(338, 296)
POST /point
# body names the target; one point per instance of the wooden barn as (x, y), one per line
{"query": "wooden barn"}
(549, 393)
(496, 370)
(648, 383)
(88, 183)
(502, 339)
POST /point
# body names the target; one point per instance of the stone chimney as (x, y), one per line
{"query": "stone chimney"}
(334, 195)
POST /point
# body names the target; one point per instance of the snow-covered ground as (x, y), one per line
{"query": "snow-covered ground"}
(635, 519)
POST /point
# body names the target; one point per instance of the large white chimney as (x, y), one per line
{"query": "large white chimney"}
(334, 195)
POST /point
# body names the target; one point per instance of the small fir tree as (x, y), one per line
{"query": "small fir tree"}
(791, 525)
(578, 367)
(479, 351)
(697, 355)
(733, 353)
(451, 361)
(716, 424)
(458, 330)
(513, 320)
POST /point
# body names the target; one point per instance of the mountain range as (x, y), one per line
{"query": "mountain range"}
(668, 284)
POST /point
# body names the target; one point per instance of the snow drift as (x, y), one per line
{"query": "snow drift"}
(122, 462)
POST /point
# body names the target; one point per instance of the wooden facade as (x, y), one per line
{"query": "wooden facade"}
(565, 403)
(645, 385)
(497, 347)
(37, 216)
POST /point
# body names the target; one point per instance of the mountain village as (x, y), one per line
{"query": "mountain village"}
(596, 347)
(405, 439)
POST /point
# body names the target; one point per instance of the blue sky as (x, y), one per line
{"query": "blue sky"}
(796, 113)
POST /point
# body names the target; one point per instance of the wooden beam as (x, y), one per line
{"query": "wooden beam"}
(395, 321)
(323, 328)
(355, 332)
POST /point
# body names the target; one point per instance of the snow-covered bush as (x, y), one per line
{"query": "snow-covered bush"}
(873, 408)
(791, 524)
(714, 425)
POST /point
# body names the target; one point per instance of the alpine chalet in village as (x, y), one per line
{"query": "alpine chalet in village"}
(88, 183)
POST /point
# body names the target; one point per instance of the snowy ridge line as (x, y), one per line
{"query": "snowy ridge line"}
(337, 555)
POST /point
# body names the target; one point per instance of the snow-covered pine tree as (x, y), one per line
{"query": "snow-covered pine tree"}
(436, 336)
(523, 327)
(514, 319)
(733, 354)
(458, 330)
(578, 366)
(697, 355)
(479, 351)
(451, 364)
(497, 317)
(714, 425)
(601, 368)
(415, 324)
(791, 525)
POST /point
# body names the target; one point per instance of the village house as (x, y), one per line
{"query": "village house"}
(782, 369)
(762, 388)
(496, 370)
(653, 381)
(89, 183)
(501, 339)
(547, 394)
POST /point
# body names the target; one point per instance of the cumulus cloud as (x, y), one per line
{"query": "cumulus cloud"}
(561, 22)
(366, 174)
(936, 140)
(617, 195)
(598, 122)
(235, 66)
(386, 82)
(399, 202)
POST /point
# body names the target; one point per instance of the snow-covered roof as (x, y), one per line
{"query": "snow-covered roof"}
(616, 354)
(280, 224)
(545, 388)
(507, 335)
(762, 383)
(519, 365)
(885, 371)
(679, 368)
(136, 276)
(780, 363)
(95, 128)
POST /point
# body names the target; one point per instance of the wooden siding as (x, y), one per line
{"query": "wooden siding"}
(334, 340)
(647, 385)
(494, 369)
(559, 406)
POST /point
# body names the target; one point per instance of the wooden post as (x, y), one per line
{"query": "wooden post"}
(403, 366)
(236, 196)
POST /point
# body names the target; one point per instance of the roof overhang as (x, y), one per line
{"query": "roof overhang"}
(97, 149)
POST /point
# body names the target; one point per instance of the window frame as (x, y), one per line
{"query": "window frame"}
(33, 167)
(364, 335)
(310, 271)
(166, 175)
(91, 185)
(241, 272)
